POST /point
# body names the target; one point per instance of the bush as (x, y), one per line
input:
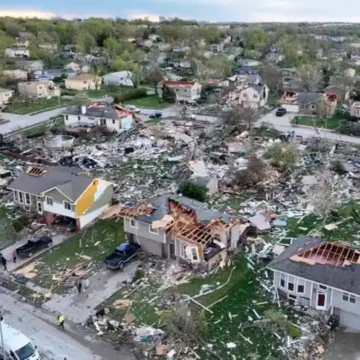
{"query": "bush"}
(255, 173)
(338, 167)
(349, 128)
(283, 156)
(194, 191)
(139, 274)
(129, 94)
(294, 332)
(20, 223)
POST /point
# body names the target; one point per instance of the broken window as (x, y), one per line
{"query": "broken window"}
(49, 201)
(67, 205)
(194, 254)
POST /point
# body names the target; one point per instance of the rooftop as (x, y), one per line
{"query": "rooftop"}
(176, 83)
(5, 90)
(82, 77)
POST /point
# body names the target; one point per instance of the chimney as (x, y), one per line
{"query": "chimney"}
(83, 109)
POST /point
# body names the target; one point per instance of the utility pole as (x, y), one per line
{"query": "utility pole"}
(2, 336)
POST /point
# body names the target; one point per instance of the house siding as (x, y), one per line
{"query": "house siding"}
(142, 230)
(87, 198)
(337, 301)
(58, 207)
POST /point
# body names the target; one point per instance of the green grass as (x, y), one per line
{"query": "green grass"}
(7, 232)
(95, 242)
(152, 102)
(43, 127)
(332, 122)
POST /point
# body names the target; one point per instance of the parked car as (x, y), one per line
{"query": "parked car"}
(133, 108)
(155, 115)
(122, 255)
(33, 246)
(280, 112)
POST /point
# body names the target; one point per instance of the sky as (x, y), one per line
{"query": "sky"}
(205, 10)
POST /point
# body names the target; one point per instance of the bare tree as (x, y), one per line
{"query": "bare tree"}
(310, 76)
(271, 76)
(240, 118)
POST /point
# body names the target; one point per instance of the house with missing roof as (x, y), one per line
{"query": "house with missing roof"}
(253, 96)
(321, 275)
(115, 118)
(309, 103)
(180, 228)
(186, 91)
(62, 192)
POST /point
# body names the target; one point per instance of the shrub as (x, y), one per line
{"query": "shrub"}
(139, 274)
(255, 173)
(194, 191)
(129, 94)
(338, 167)
(349, 128)
(20, 223)
(283, 156)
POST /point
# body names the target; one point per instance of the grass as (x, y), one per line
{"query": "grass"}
(27, 107)
(95, 243)
(7, 231)
(331, 123)
(152, 102)
(43, 127)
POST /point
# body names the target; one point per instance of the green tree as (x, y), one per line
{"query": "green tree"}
(194, 191)
(113, 47)
(255, 39)
(85, 42)
(168, 95)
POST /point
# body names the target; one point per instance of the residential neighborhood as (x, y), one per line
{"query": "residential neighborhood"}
(176, 188)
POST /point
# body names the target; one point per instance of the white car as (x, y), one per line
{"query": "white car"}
(133, 109)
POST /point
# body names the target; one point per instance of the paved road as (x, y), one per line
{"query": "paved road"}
(283, 124)
(53, 343)
(17, 122)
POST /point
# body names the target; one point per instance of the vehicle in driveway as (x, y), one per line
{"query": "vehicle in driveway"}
(123, 254)
(133, 108)
(33, 246)
(155, 115)
(280, 112)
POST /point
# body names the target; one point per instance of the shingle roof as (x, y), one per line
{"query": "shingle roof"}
(64, 179)
(203, 214)
(341, 277)
(101, 109)
(308, 97)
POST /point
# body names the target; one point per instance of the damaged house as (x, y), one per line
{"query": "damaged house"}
(62, 192)
(115, 118)
(309, 103)
(180, 228)
(321, 275)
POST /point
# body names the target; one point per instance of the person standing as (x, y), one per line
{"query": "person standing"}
(79, 286)
(61, 319)
(3, 261)
(14, 256)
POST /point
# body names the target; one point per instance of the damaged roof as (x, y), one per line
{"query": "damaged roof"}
(161, 208)
(65, 180)
(343, 277)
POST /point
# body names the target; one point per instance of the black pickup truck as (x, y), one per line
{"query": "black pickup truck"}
(34, 245)
(121, 255)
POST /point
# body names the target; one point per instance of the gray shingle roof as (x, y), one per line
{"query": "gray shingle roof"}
(308, 97)
(161, 206)
(106, 111)
(258, 88)
(64, 179)
(341, 277)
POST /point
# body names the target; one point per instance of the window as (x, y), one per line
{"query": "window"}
(79, 118)
(349, 298)
(154, 231)
(290, 286)
(49, 201)
(66, 117)
(27, 199)
(323, 287)
(301, 286)
(282, 281)
(67, 205)
(39, 207)
(102, 122)
(16, 196)
(133, 223)
(194, 254)
(113, 121)
(21, 197)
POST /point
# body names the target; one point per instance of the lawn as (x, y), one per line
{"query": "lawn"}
(7, 232)
(151, 102)
(88, 247)
(43, 127)
(332, 123)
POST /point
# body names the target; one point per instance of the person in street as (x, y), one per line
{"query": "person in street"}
(79, 286)
(3, 261)
(61, 319)
(14, 256)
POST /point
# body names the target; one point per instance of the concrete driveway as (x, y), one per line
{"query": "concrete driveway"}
(345, 346)
(78, 307)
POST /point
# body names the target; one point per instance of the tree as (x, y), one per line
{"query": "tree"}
(113, 47)
(168, 95)
(85, 42)
(154, 76)
(138, 56)
(310, 76)
(240, 118)
(138, 74)
(255, 39)
(194, 191)
(284, 156)
(271, 76)
(253, 174)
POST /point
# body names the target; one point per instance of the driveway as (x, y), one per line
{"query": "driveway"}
(346, 346)
(17, 122)
(78, 307)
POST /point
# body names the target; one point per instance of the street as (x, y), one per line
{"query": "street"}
(54, 344)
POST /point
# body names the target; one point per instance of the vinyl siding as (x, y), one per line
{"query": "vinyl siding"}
(142, 230)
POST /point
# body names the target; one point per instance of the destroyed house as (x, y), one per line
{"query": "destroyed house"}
(115, 118)
(62, 192)
(180, 228)
(321, 275)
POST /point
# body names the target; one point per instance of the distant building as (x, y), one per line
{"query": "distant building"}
(5, 95)
(83, 82)
(118, 78)
(29, 65)
(38, 89)
(186, 91)
(355, 109)
(18, 52)
(16, 74)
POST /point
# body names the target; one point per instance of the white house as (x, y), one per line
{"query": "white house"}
(186, 91)
(118, 78)
(72, 66)
(254, 96)
(17, 52)
(5, 95)
(100, 113)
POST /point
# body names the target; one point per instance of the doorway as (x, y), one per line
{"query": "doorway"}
(321, 301)
(172, 250)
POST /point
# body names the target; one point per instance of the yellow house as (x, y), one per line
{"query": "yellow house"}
(83, 82)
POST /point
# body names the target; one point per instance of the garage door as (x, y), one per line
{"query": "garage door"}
(291, 108)
(150, 246)
(349, 320)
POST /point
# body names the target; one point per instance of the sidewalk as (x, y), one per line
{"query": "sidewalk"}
(78, 307)
(8, 252)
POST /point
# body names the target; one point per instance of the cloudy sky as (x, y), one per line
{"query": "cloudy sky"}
(211, 10)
